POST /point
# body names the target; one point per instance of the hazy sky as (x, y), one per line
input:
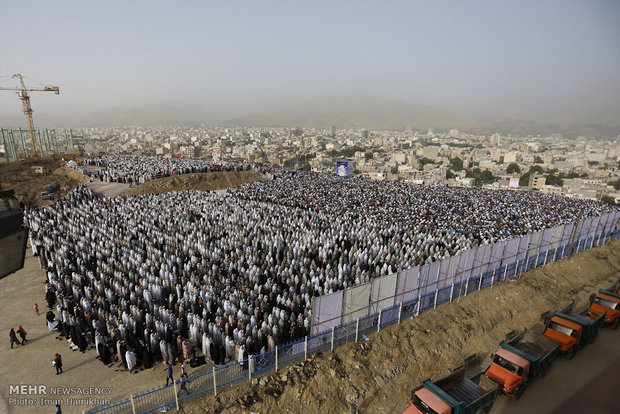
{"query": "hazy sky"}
(512, 58)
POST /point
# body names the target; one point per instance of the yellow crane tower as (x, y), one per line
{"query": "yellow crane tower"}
(22, 92)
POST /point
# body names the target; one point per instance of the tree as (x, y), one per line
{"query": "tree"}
(536, 169)
(513, 168)
(538, 160)
(487, 176)
(423, 161)
(593, 163)
(369, 156)
(551, 179)
(615, 184)
(524, 180)
(450, 174)
(395, 169)
(456, 164)
(607, 199)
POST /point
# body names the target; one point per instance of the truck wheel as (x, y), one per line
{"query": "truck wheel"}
(519, 391)
(572, 352)
(485, 410)
(616, 323)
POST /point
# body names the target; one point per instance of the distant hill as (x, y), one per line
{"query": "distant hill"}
(369, 112)
(361, 111)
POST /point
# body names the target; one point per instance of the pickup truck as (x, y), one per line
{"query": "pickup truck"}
(521, 357)
(572, 330)
(456, 393)
(606, 303)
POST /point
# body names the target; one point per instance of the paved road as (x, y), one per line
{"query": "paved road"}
(107, 189)
(568, 377)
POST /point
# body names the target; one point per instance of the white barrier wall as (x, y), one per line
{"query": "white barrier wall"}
(451, 276)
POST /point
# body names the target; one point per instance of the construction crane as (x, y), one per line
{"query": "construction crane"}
(22, 92)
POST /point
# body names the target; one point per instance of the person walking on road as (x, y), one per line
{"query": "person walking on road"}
(13, 337)
(169, 373)
(58, 363)
(36, 309)
(22, 333)
(184, 378)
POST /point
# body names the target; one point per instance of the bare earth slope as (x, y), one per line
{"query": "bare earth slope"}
(195, 181)
(380, 373)
(28, 185)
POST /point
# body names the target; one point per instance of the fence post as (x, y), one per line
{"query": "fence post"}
(379, 321)
(493, 278)
(214, 382)
(250, 368)
(133, 404)
(357, 328)
(466, 286)
(451, 290)
(306, 348)
(176, 395)
(276, 358)
(400, 312)
(436, 293)
(333, 338)
(480, 283)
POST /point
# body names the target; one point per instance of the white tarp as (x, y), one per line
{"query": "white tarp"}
(433, 277)
(447, 271)
(356, 301)
(383, 292)
(558, 235)
(524, 243)
(326, 312)
(469, 264)
(497, 251)
(482, 260)
(595, 226)
(546, 239)
(424, 278)
(568, 233)
(407, 285)
(510, 252)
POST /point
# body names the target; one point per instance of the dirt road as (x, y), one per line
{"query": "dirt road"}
(567, 377)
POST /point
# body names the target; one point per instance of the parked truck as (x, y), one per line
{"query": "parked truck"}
(606, 303)
(572, 330)
(458, 393)
(521, 357)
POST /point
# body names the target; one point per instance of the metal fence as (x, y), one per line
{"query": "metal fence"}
(539, 250)
(18, 142)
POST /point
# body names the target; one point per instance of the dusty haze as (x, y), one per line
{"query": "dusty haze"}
(553, 62)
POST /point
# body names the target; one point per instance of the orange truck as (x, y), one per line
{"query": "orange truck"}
(606, 303)
(521, 357)
(572, 330)
(457, 393)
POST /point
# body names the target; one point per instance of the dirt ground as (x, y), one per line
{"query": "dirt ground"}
(28, 185)
(380, 373)
(195, 181)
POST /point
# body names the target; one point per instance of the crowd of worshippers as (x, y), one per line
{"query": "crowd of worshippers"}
(140, 169)
(233, 274)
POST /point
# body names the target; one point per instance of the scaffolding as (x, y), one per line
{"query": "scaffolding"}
(49, 141)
